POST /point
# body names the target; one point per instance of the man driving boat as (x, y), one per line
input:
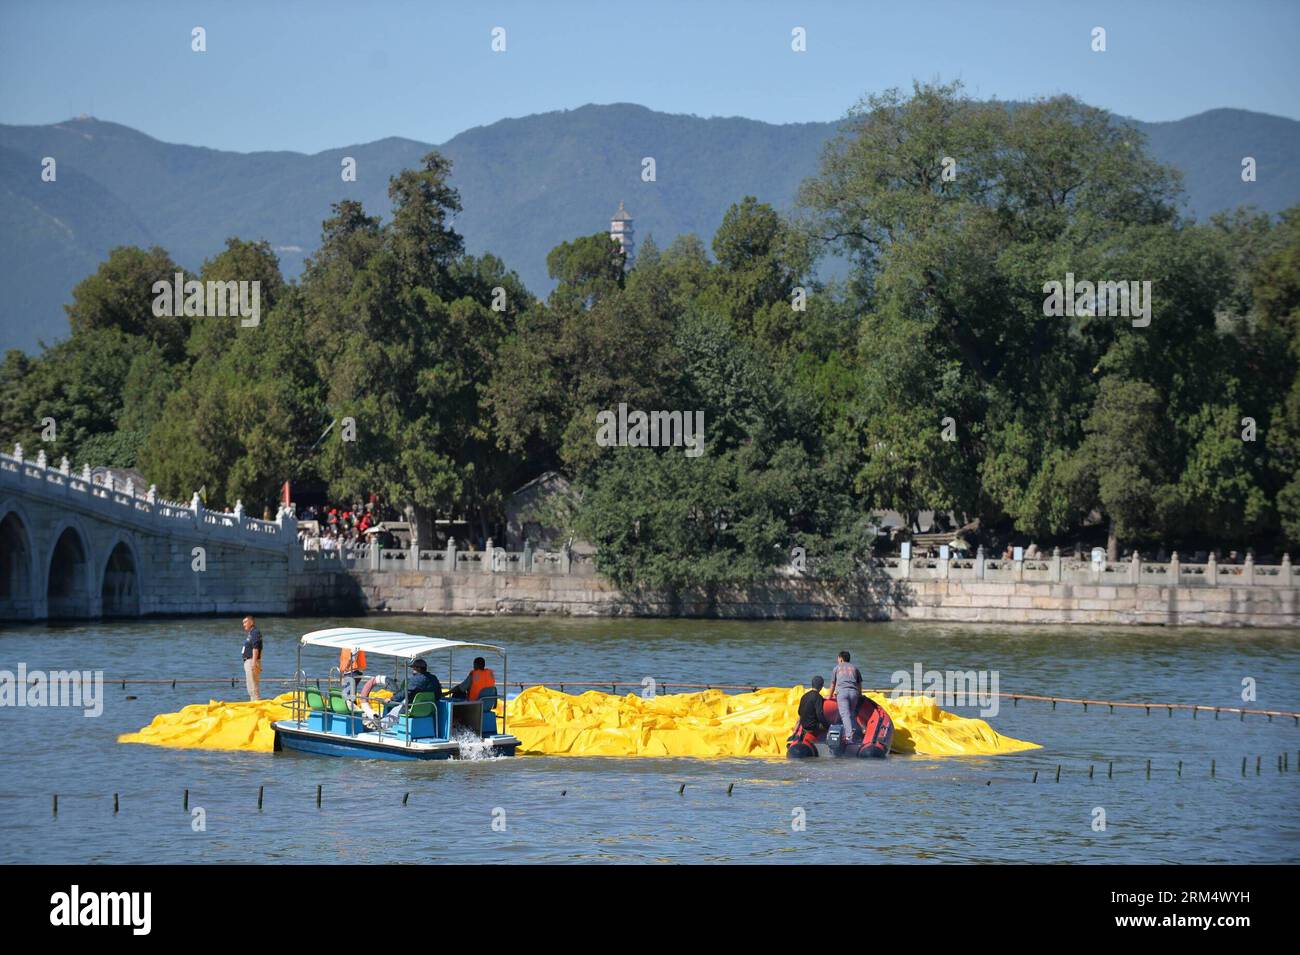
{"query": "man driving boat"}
(421, 681)
(481, 683)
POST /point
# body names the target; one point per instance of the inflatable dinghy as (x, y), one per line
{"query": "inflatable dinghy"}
(875, 733)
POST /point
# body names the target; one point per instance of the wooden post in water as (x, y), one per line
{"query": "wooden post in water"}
(318, 789)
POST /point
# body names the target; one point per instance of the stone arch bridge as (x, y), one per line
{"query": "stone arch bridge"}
(71, 548)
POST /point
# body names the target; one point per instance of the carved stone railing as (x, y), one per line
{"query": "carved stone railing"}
(140, 508)
(451, 560)
(1071, 570)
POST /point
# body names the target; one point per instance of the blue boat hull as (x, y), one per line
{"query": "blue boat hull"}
(329, 744)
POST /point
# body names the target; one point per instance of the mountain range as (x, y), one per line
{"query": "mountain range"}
(527, 184)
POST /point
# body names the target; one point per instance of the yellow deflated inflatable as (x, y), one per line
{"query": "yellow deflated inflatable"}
(711, 725)
(217, 725)
(714, 724)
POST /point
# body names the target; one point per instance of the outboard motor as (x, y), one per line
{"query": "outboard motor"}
(835, 739)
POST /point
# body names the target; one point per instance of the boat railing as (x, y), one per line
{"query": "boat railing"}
(297, 705)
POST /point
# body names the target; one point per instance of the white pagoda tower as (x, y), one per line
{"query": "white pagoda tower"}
(620, 230)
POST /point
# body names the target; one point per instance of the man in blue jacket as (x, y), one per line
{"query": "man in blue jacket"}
(421, 681)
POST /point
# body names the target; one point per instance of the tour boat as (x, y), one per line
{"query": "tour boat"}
(874, 727)
(350, 721)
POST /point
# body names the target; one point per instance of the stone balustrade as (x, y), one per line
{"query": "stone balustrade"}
(490, 560)
(1071, 570)
(141, 509)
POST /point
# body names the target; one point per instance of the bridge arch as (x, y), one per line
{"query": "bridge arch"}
(120, 588)
(18, 575)
(70, 584)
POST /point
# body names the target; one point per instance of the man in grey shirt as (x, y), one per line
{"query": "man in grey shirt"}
(846, 687)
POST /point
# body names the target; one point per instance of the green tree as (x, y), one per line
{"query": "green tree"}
(120, 295)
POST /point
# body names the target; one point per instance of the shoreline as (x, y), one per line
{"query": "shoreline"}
(1256, 606)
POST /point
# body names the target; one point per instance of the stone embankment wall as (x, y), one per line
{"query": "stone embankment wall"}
(986, 601)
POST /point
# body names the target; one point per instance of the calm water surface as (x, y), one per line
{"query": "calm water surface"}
(905, 809)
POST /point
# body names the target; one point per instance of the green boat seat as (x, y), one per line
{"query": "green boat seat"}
(420, 719)
(339, 703)
(315, 700)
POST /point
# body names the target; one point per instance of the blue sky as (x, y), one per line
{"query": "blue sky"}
(309, 76)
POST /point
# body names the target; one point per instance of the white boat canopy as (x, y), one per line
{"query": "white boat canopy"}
(385, 642)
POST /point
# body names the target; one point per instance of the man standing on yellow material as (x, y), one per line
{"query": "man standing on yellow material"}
(846, 687)
(252, 653)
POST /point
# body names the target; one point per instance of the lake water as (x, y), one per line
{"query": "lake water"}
(904, 809)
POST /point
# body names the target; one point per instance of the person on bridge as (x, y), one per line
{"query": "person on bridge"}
(846, 687)
(481, 683)
(252, 653)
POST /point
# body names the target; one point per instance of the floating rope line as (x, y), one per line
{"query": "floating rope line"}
(615, 685)
(1283, 767)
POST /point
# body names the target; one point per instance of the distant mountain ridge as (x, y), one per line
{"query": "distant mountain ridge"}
(527, 184)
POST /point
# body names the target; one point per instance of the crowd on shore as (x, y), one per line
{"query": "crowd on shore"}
(340, 527)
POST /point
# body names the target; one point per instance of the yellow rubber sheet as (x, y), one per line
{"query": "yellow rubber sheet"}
(711, 724)
(217, 725)
(714, 724)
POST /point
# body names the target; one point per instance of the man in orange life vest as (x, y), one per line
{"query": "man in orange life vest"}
(480, 684)
(352, 665)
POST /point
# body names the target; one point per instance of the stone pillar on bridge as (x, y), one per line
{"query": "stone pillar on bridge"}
(289, 531)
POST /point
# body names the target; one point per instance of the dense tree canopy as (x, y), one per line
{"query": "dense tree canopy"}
(936, 375)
